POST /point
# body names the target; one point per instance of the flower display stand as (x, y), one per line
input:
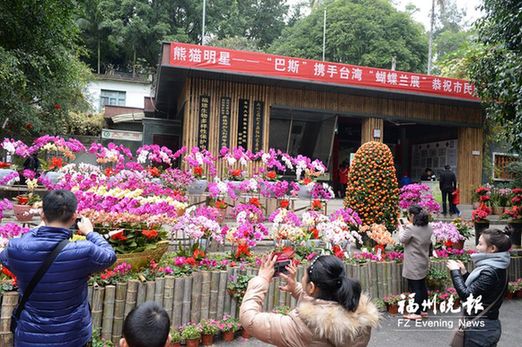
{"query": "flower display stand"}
(479, 228)
(197, 187)
(23, 212)
(516, 228)
(142, 259)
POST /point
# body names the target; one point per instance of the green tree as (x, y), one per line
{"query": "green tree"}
(363, 32)
(41, 76)
(497, 75)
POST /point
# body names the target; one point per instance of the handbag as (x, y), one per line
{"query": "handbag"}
(458, 336)
(34, 281)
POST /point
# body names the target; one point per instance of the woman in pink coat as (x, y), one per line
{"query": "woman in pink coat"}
(331, 310)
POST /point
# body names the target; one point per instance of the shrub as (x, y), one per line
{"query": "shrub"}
(372, 186)
(190, 332)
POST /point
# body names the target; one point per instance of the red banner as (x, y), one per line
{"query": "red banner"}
(261, 64)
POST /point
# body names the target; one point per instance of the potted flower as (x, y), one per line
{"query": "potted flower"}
(391, 302)
(175, 338)
(208, 328)
(464, 229)
(496, 208)
(446, 233)
(191, 334)
(23, 205)
(197, 161)
(504, 197)
(515, 215)
(437, 278)
(514, 289)
(481, 195)
(228, 327)
(479, 217)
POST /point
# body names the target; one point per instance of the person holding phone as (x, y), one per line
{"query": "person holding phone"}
(57, 311)
(331, 308)
(415, 234)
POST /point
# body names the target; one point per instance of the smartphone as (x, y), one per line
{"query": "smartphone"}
(280, 267)
(401, 220)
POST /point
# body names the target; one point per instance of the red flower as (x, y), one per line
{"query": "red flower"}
(517, 190)
(271, 175)
(255, 202)
(4, 165)
(150, 234)
(315, 233)
(198, 254)
(29, 126)
(484, 198)
(22, 199)
(154, 172)
(197, 171)
(220, 204)
(317, 205)
(191, 261)
(243, 250)
(108, 171)
(56, 163)
(284, 203)
(236, 173)
(57, 107)
(107, 275)
(120, 236)
(307, 180)
(338, 252)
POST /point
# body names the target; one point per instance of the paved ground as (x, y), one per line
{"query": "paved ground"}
(390, 335)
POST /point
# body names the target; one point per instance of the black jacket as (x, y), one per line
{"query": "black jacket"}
(491, 283)
(447, 181)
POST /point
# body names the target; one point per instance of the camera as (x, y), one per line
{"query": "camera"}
(280, 267)
(75, 225)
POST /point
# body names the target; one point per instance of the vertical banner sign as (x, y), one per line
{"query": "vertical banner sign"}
(242, 124)
(259, 123)
(204, 116)
(224, 122)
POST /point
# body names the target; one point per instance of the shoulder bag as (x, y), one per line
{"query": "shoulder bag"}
(34, 281)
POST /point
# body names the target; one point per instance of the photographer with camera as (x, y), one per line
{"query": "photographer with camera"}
(331, 310)
(52, 276)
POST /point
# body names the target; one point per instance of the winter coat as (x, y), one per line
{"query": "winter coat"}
(417, 241)
(447, 181)
(490, 284)
(313, 323)
(57, 313)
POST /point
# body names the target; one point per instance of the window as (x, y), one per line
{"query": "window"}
(112, 97)
(500, 163)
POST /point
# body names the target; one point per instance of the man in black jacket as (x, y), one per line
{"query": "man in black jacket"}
(447, 184)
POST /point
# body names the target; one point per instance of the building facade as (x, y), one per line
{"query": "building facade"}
(213, 97)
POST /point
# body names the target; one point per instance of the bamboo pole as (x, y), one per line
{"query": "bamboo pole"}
(187, 295)
(89, 295)
(9, 302)
(142, 294)
(151, 288)
(195, 312)
(108, 312)
(228, 298)
(222, 294)
(132, 294)
(177, 310)
(98, 295)
(168, 296)
(270, 297)
(119, 310)
(159, 291)
(205, 295)
(233, 303)
(214, 297)
(373, 273)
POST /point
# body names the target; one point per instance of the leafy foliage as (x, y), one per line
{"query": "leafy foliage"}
(41, 76)
(365, 32)
(497, 75)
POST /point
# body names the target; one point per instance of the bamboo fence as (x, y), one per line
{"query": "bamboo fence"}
(204, 295)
